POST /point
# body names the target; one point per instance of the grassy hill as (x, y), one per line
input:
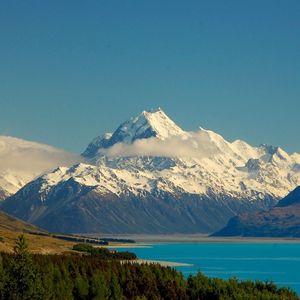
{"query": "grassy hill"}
(8, 222)
(40, 241)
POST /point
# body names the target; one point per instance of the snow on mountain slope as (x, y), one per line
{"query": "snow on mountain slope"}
(146, 125)
(21, 161)
(296, 157)
(201, 160)
(158, 122)
(155, 152)
(100, 142)
(150, 163)
(153, 195)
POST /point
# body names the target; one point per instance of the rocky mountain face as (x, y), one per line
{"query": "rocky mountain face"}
(283, 220)
(151, 176)
(72, 205)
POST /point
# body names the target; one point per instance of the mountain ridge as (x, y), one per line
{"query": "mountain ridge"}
(282, 220)
(147, 124)
(150, 164)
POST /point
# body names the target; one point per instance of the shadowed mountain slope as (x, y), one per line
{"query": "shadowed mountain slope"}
(283, 220)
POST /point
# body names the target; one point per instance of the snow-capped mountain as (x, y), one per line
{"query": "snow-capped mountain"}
(21, 161)
(152, 176)
(148, 124)
(153, 146)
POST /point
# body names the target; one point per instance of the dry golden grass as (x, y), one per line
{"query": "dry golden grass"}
(11, 228)
(8, 222)
(37, 243)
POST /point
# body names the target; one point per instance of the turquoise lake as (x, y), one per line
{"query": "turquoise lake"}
(279, 263)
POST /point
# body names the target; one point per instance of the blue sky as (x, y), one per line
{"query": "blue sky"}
(70, 70)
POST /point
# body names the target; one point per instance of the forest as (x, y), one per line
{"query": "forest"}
(87, 275)
(103, 253)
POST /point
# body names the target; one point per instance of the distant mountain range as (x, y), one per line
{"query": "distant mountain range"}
(151, 176)
(283, 220)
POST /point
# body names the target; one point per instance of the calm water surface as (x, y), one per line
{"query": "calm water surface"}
(279, 263)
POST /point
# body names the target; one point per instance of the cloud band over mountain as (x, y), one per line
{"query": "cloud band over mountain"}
(192, 145)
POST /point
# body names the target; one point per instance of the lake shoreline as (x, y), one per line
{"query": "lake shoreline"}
(143, 240)
(159, 262)
(265, 261)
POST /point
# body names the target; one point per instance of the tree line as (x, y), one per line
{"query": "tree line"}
(75, 276)
(103, 253)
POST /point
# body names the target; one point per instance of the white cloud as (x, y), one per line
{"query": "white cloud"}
(190, 145)
(21, 161)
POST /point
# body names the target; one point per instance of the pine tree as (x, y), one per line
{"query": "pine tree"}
(98, 287)
(2, 280)
(24, 281)
(115, 290)
(81, 287)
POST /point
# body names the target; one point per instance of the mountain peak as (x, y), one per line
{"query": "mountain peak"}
(152, 123)
(269, 149)
(156, 121)
(273, 153)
